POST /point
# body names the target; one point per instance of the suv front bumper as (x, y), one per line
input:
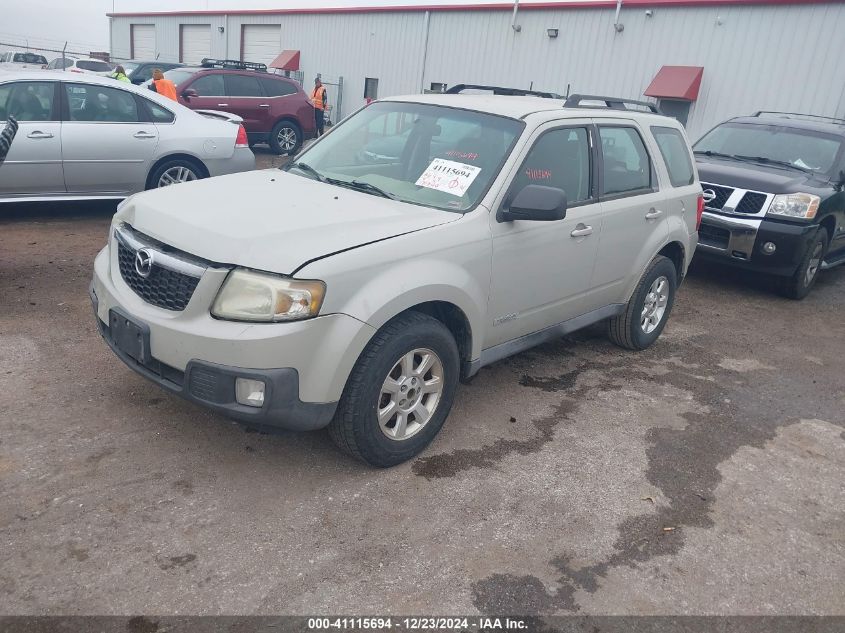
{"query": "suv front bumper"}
(304, 365)
(739, 242)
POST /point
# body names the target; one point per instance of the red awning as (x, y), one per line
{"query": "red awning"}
(676, 82)
(287, 60)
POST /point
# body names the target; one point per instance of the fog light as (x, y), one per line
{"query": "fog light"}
(769, 248)
(249, 392)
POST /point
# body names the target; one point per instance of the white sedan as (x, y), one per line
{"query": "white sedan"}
(84, 137)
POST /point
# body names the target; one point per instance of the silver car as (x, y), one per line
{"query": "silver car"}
(84, 137)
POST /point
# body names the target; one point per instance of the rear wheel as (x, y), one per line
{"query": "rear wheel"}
(648, 309)
(399, 393)
(173, 172)
(799, 285)
(286, 138)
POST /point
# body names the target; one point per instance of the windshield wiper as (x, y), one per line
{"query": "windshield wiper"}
(716, 154)
(362, 186)
(309, 169)
(772, 161)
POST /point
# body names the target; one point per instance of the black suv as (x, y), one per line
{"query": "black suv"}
(773, 189)
(142, 71)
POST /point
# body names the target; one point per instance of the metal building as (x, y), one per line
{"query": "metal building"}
(704, 60)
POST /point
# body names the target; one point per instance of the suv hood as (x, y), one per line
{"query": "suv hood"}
(748, 175)
(271, 220)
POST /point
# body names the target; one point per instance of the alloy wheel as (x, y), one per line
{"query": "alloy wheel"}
(814, 263)
(410, 394)
(176, 175)
(287, 138)
(654, 306)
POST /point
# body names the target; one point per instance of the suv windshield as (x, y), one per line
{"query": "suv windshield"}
(803, 149)
(130, 67)
(439, 157)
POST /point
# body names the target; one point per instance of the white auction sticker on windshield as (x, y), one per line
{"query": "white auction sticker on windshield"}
(448, 176)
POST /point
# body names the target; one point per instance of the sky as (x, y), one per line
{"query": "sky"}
(84, 25)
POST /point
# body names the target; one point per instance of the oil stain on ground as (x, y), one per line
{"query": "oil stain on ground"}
(682, 464)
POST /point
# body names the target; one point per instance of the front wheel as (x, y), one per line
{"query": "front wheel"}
(799, 285)
(648, 309)
(286, 138)
(399, 393)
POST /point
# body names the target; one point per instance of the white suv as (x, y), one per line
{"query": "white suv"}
(355, 296)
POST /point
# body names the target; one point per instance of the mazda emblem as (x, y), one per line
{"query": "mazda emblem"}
(144, 262)
(709, 195)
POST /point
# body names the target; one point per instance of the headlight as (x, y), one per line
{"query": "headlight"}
(795, 205)
(253, 296)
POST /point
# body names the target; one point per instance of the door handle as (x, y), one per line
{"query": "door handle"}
(653, 214)
(144, 135)
(222, 105)
(38, 134)
(263, 105)
(582, 230)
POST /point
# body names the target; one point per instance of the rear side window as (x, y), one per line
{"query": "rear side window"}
(626, 165)
(95, 104)
(93, 66)
(674, 150)
(559, 158)
(242, 86)
(27, 100)
(277, 87)
(157, 113)
(209, 86)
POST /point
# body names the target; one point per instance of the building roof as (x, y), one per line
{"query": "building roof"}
(676, 82)
(488, 6)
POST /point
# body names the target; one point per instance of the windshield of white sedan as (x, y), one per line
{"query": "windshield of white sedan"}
(424, 154)
(803, 150)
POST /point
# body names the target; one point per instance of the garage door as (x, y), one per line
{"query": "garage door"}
(143, 41)
(261, 42)
(195, 43)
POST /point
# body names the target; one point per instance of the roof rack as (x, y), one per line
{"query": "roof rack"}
(209, 62)
(798, 115)
(614, 103)
(500, 90)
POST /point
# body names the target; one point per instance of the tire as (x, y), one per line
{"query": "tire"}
(634, 329)
(356, 427)
(286, 130)
(799, 285)
(178, 170)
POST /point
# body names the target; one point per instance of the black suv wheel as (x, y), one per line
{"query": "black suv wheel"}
(799, 285)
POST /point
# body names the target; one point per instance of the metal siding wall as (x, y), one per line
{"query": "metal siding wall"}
(779, 57)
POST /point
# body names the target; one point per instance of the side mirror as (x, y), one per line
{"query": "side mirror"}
(537, 203)
(188, 93)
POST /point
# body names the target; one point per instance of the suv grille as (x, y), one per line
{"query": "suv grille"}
(164, 287)
(752, 202)
(722, 195)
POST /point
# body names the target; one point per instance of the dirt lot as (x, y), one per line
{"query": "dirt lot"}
(701, 476)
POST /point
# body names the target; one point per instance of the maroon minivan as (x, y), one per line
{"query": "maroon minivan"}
(275, 109)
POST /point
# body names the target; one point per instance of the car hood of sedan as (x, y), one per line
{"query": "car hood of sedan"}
(271, 220)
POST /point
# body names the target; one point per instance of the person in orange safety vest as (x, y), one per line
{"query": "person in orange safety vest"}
(162, 86)
(320, 101)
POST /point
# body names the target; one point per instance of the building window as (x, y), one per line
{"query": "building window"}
(438, 87)
(370, 89)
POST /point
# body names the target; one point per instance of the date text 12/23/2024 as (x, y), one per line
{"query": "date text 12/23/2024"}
(417, 624)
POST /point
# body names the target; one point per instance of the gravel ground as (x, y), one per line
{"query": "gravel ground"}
(702, 476)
